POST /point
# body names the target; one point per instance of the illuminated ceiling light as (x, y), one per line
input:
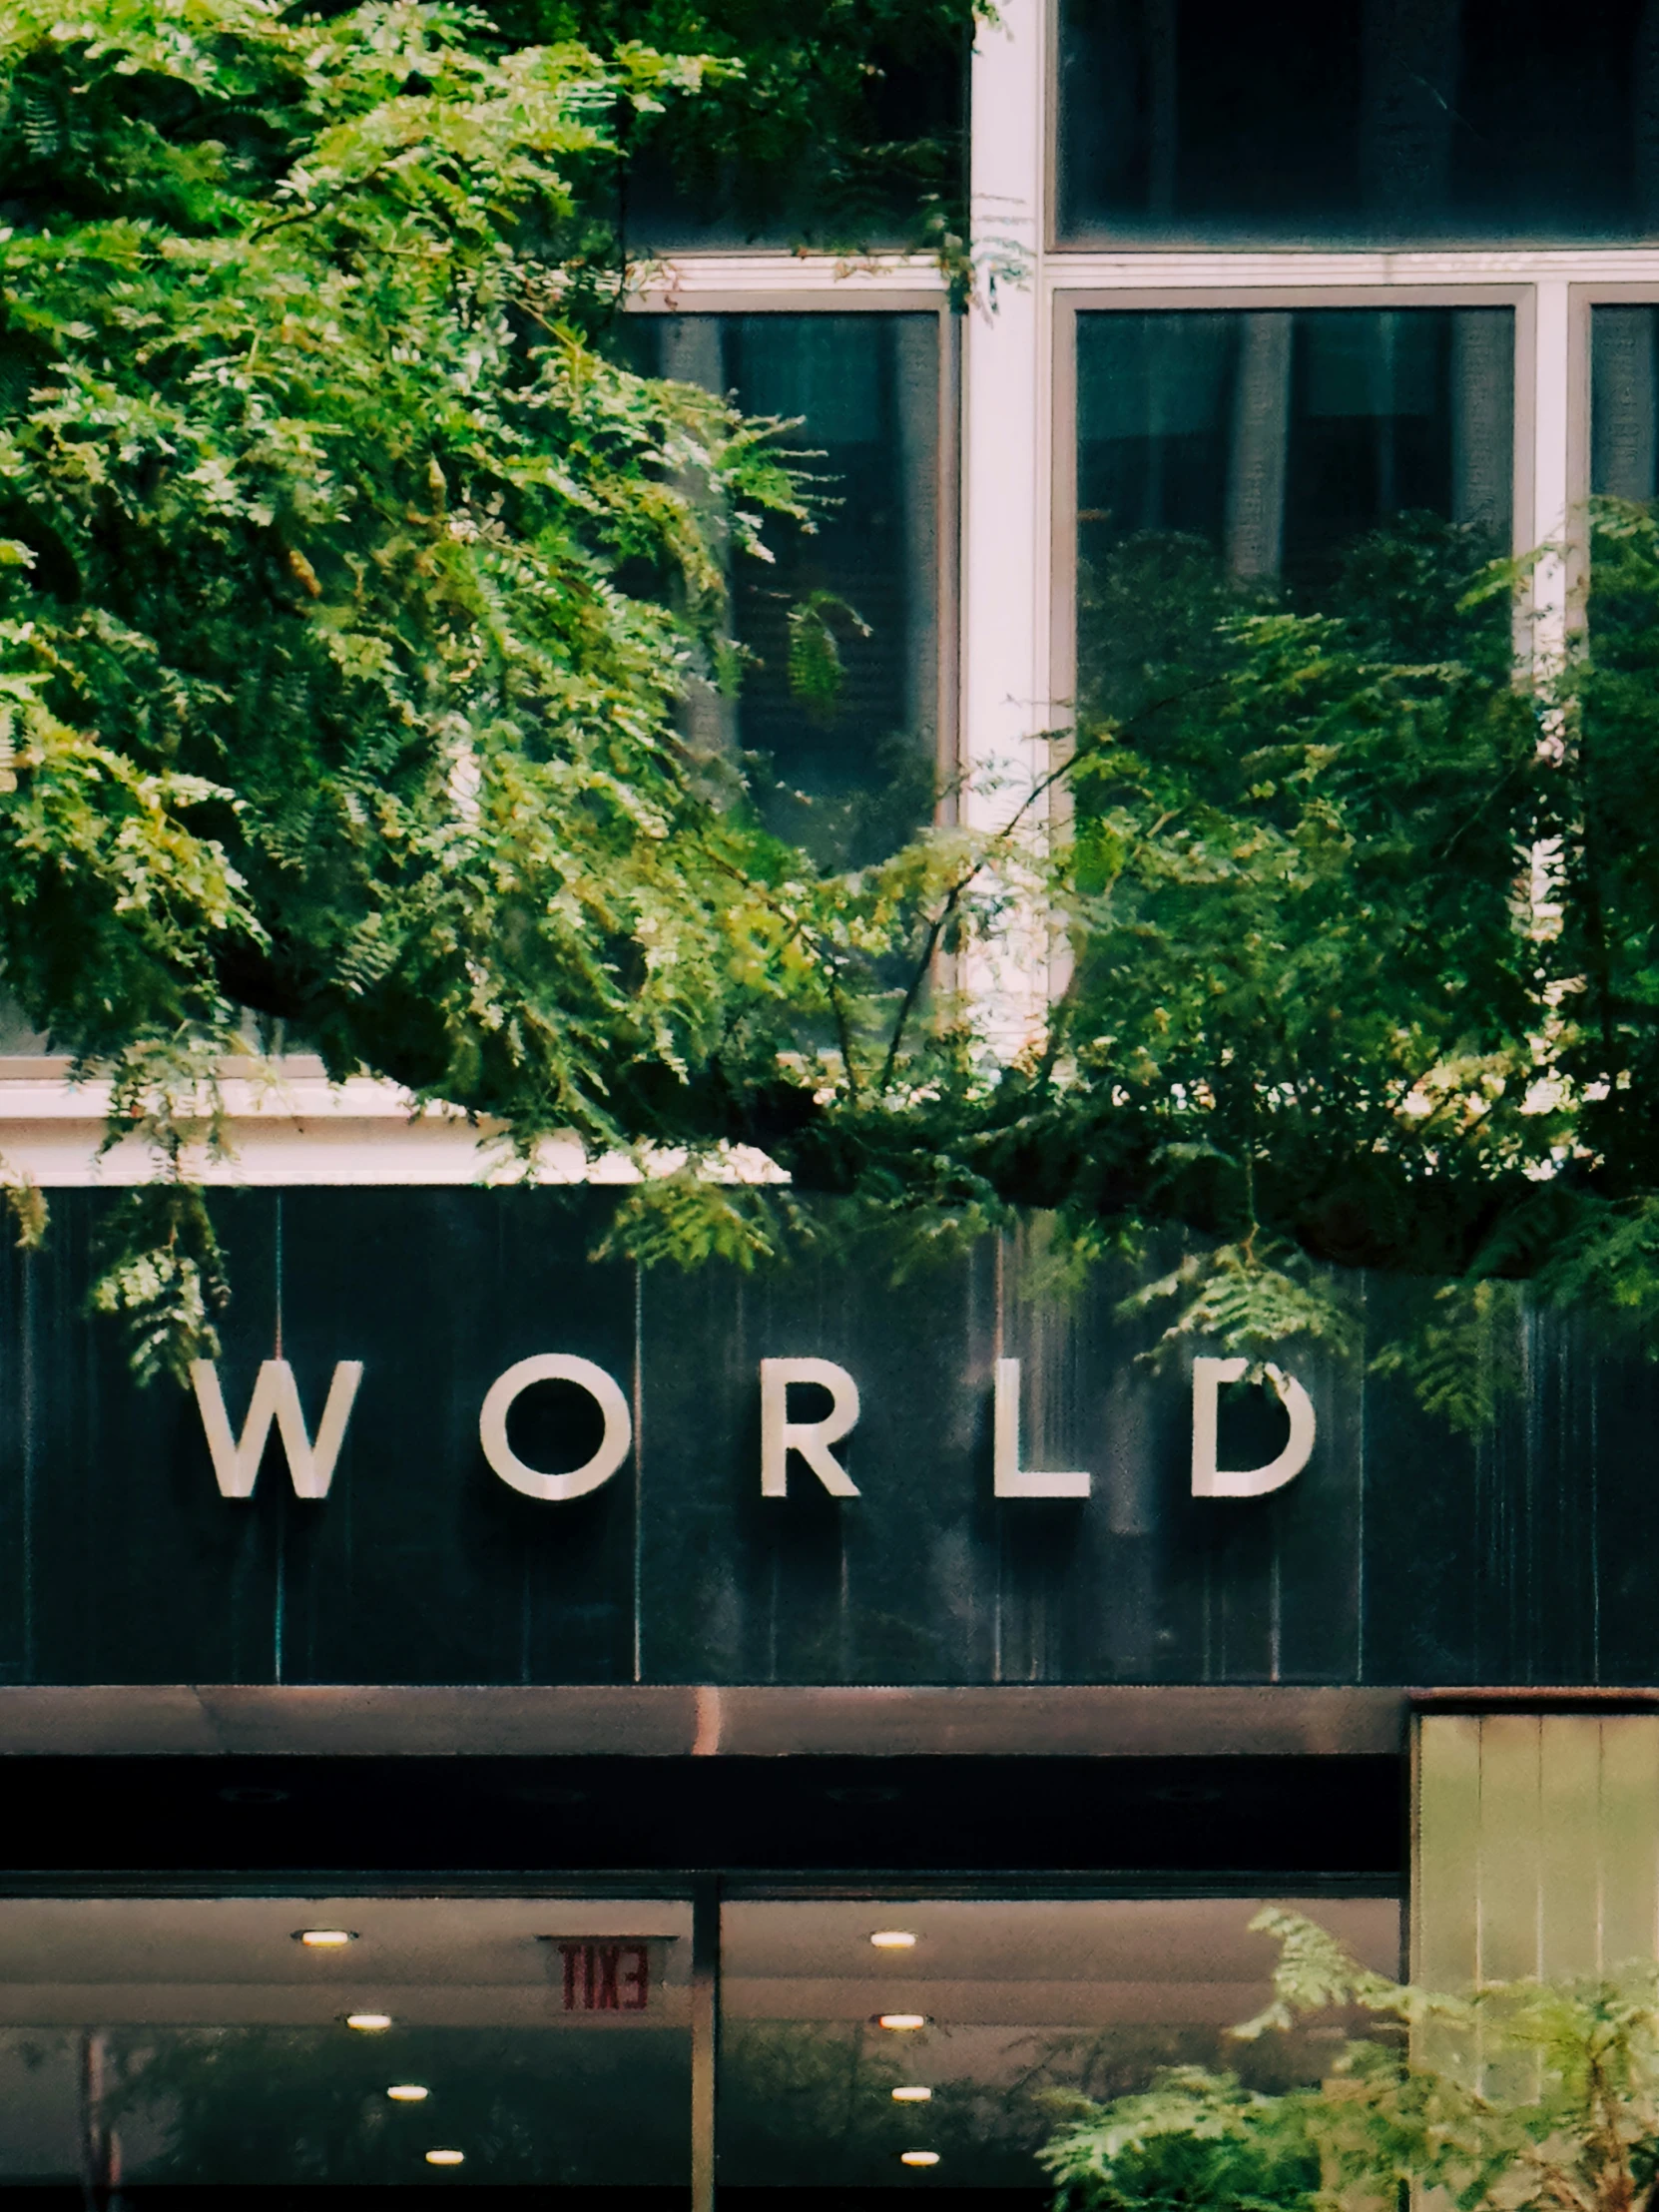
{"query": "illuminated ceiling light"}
(409, 2093)
(912, 2093)
(901, 2020)
(445, 2158)
(369, 2022)
(324, 1939)
(893, 1939)
(919, 2158)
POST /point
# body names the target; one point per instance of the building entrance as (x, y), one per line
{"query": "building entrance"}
(162, 2050)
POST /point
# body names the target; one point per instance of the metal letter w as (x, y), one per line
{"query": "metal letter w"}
(276, 1397)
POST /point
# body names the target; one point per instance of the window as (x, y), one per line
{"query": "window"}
(848, 2062)
(1319, 120)
(739, 167)
(527, 2043)
(1236, 457)
(196, 2040)
(832, 696)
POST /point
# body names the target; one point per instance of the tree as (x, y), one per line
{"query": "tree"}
(1528, 2096)
(351, 582)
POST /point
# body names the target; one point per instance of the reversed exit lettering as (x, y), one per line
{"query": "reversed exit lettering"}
(604, 1976)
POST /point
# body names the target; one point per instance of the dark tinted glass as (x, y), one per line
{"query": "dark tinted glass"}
(1357, 119)
(950, 2061)
(1624, 401)
(1231, 457)
(844, 766)
(855, 158)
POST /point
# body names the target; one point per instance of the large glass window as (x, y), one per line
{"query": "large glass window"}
(167, 2041)
(1228, 458)
(831, 697)
(920, 2044)
(1320, 120)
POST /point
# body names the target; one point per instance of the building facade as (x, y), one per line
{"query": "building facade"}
(522, 1721)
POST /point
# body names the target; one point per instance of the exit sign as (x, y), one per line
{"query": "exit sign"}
(612, 1975)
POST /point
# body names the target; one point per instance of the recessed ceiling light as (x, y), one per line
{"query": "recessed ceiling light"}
(893, 1939)
(369, 2022)
(409, 2093)
(324, 1939)
(445, 2158)
(901, 2020)
(912, 2093)
(919, 2158)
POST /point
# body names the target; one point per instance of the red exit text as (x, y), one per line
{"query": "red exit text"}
(606, 1978)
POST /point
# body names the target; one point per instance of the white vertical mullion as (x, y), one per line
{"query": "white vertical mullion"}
(1550, 417)
(1006, 478)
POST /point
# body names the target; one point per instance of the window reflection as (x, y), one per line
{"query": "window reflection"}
(194, 2041)
(1017, 1999)
(843, 761)
(1624, 401)
(1378, 119)
(1229, 459)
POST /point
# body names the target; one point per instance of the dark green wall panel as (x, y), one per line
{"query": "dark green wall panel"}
(1402, 1553)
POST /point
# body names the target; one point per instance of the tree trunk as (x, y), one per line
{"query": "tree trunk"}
(1622, 445)
(916, 344)
(1409, 87)
(1644, 118)
(1161, 20)
(1261, 447)
(1482, 411)
(694, 352)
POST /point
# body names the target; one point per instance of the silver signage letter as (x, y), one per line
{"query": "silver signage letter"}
(276, 1396)
(1209, 1480)
(1010, 1478)
(812, 1439)
(555, 1366)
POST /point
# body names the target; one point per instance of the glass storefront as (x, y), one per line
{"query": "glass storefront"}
(296, 2044)
(925, 2043)
(153, 2042)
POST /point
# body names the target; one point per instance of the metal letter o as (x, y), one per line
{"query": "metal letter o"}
(555, 1366)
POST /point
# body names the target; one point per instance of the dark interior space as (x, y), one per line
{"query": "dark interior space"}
(1208, 1819)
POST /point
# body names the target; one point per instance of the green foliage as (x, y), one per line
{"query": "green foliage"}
(1463, 1360)
(815, 667)
(164, 1276)
(1521, 2096)
(26, 1202)
(350, 588)
(686, 1218)
(836, 122)
(1240, 1301)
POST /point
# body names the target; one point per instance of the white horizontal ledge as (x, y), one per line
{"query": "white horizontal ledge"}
(688, 280)
(288, 1125)
(1209, 269)
(283, 1127)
